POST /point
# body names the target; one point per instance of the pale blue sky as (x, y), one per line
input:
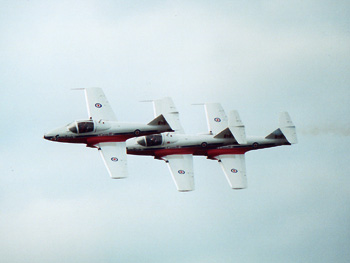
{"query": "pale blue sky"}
(57, 202)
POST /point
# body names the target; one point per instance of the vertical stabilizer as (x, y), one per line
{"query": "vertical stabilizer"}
(285, 131)
(236, 127)
(287, 127)
(166, 107)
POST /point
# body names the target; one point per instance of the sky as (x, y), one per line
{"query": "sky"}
(57, 202)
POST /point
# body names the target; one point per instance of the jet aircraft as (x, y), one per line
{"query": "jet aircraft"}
(104, 132)
(225, 142)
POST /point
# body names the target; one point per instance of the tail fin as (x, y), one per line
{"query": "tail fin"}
(166, 108)
(235, 128)
(221, 127)
(286, 129)
(160, 120)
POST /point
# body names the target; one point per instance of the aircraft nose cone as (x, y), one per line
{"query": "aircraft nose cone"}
(47, 137)
(53, 135)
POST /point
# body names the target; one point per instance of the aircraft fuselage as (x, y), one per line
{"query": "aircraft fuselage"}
(205, 144)
(91, 132)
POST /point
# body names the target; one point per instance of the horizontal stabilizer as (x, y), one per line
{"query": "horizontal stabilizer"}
(233, 166)
(235, 129)
(181, 168)
(225, 133)
(114, 157)
(160, 120)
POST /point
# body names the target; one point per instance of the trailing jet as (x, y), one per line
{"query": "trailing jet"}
(104, 132)
(225, 142)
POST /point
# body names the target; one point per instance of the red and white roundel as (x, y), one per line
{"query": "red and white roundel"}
(217, 119)
(234, 171)
(114, 159)
(181, 171)
(98, 105)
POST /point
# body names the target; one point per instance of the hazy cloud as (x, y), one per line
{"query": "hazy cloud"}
(333, 129)
(262, 57)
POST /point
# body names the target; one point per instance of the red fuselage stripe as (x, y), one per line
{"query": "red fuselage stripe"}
(97, 139)
(211, 153)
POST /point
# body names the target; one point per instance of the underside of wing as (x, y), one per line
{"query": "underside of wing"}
(114, 157)
(98, 105)
(233, 166)
(216, 117)
(166, 107)
(181, 168)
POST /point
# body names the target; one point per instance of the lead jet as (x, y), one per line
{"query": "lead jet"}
(104, 132)
(226, 142)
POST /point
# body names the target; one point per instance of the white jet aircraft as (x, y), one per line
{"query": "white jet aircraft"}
(104, 132)
(226, 142)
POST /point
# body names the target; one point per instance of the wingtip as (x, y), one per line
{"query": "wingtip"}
(119, 177)
(185, 190)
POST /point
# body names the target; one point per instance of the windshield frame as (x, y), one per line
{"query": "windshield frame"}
(81, 127)
(154, 140)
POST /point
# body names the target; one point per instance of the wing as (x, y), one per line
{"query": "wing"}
(98, 105)
(216, 117)
(233, 166)
(114, 157)
(166, 107)
(181, 168)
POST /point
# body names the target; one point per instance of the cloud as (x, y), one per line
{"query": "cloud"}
(57, 201)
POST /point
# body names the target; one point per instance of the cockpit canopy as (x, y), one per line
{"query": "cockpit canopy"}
(81, 126)
(151, 140)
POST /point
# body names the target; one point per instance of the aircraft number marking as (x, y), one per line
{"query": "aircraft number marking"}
(217, 119)
(114, 159)
(98, 105)
(181, 171)
(234, 171)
